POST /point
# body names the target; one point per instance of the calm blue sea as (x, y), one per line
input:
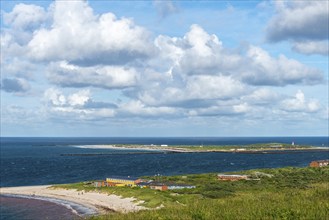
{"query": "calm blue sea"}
(39, 161)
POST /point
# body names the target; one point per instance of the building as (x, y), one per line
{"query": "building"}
(319, 163)
(158, 186)
(226, 177)
(103, 183)
(100, 183)
(144, 184)
(123, 181)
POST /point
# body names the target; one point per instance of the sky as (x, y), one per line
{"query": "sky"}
(164, 68)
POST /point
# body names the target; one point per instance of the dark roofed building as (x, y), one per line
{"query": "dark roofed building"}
(144, 184)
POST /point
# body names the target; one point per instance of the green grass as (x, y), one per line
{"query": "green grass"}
(304, 204)
(291, 193)
(262, 146)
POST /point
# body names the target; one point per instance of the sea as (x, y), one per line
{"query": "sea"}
(49, 160)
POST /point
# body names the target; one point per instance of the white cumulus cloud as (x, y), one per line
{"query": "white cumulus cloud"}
(300, 104)
(108, 77)
(54, 97)
(75, 106)
(79, 36)
(80, 98)
(266, 70)
(25, 16)
(305, 23)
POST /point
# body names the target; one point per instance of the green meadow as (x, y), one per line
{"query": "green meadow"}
(283, 193)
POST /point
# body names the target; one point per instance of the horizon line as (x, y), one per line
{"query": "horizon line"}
(163, 136)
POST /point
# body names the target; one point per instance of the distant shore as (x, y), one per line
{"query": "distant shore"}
(100, 202)
(259, 148)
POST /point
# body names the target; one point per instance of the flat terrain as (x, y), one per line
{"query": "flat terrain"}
(266, 148)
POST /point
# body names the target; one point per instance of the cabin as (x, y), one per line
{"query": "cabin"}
(227, 177)
(319, 163)
(123, 181)
(158, 186)
(103, 183)
(100, 183)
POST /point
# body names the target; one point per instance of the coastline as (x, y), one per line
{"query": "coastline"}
(99, 202)
(268, 148)
(114, 147)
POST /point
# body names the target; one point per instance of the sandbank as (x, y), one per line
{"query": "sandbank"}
(128, 147)
(138, 147)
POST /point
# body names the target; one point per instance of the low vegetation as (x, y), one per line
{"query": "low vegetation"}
(263, 146)
(260, 146)
(285, 193)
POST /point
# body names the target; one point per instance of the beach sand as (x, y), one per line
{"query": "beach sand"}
(124, 147)
(100, 202)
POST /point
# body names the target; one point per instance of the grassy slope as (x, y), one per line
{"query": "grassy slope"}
(291, 193)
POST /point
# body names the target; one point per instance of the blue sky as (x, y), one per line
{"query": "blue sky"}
(164, 68)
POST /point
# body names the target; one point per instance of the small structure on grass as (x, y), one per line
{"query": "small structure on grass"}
(319, 163)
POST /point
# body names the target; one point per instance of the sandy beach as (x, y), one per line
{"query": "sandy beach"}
(138, 147)
(100, 202)
(128, 147)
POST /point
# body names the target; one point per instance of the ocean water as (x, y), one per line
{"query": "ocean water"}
(13, 207)
(40, 161)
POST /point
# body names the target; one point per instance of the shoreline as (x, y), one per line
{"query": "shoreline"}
(100, 203)
(198, 149)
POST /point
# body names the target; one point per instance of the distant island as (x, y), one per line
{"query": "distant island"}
(267, 148)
